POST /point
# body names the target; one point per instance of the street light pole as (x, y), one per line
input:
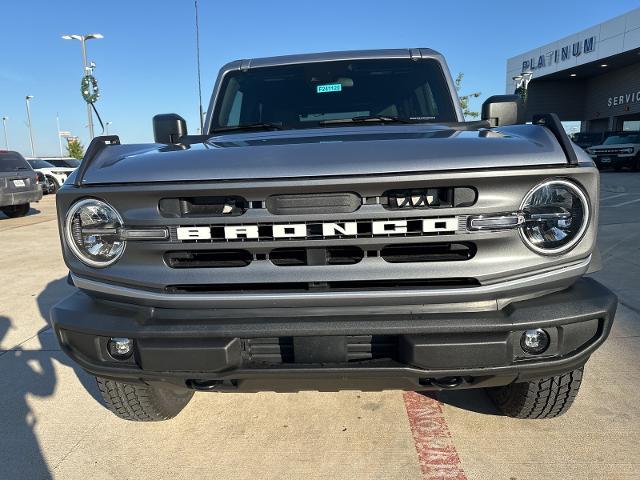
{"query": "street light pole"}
(86, 69)
(59, 137)
(6, 139)
(106, 125)
(33, 148)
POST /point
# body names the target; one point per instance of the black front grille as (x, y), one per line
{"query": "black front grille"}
(443, 197)
(258, 352)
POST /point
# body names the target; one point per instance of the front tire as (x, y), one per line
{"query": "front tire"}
(15, 211)
(547, 397)
(142, 403)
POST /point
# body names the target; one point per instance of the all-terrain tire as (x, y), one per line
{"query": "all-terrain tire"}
(15, 211)
(543, 398)
(142, 403)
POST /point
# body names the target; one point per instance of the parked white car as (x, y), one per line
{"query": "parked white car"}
(55, 170)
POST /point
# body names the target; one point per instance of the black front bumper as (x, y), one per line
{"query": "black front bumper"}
(367, 348)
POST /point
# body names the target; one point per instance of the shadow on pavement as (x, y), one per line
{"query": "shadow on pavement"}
(473, 400)
(31, 374)
(27, 373)
(32, 211)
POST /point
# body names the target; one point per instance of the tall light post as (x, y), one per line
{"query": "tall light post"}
(106, 125)
(6, 139)
(83, 40)
(33, 148)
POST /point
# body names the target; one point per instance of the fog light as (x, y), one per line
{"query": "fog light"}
(120, 348)
(534, 341)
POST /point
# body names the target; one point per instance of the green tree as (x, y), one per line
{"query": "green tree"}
(464, 99)
(75, 149)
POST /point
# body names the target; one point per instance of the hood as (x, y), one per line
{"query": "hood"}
(331, 151)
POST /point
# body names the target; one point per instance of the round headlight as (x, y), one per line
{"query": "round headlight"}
(93, 232)
(556, 217)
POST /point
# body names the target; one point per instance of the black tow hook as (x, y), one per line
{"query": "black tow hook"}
(213, 385)
(447, 382)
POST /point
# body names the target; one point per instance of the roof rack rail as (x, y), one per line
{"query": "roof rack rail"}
(94, 148)
(552, 122)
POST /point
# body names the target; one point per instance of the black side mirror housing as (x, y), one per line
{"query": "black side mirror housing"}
(502, 110)
(168, 128)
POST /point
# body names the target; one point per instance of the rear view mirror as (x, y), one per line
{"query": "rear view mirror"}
(168, 128)
(502, 110)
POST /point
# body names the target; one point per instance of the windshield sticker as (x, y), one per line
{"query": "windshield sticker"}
(329, 87)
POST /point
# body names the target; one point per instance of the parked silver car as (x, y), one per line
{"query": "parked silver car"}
(18, 185)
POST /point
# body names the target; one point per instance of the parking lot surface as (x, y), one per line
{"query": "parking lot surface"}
(51, 425)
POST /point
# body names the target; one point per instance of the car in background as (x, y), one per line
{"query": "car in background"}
(619, 149)
(18, 185)
(55, 175)
(64, 162)
(588, 139)
(42, 181)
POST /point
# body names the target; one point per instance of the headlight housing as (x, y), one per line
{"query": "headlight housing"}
(628, 150)
(556, 217)
(93, 231)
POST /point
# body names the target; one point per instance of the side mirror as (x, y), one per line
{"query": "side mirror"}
(502, 110)
(168, 128)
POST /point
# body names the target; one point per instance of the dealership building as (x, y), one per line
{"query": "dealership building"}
(592, 76)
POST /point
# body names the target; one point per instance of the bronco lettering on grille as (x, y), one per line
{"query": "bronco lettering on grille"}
(320, 229)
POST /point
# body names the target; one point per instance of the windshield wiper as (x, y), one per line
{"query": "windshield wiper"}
(365, 119)
(249, 126)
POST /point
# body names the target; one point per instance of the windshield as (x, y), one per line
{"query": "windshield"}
(310, 94)
(10, 161)
(40, 164)
(618, 139)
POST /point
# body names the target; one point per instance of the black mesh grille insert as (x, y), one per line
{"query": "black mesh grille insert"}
(280, 350)
(203, 207)
(428, 252)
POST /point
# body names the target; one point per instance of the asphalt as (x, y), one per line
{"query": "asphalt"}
(52, 426)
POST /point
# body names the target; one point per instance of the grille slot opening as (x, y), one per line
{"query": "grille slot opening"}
(203, 206)
(208, 259)
(421, 198)
(428, 252)
(339, 286)
(292, 257)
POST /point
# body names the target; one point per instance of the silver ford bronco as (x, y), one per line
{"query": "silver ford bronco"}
(337, 225)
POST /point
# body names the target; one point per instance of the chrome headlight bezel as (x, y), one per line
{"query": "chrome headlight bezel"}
(582, 196)
(68, 232)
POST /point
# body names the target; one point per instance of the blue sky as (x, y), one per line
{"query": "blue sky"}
(146, 62)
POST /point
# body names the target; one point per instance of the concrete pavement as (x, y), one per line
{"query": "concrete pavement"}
(51, 425)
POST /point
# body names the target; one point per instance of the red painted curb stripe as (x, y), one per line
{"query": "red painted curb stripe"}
(437, 455)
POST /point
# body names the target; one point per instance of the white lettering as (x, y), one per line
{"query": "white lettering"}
(241, 231)
(390, 226)
(193, 233)
(342, 228)
(433, 225)
(609, 102)
(296, 230)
